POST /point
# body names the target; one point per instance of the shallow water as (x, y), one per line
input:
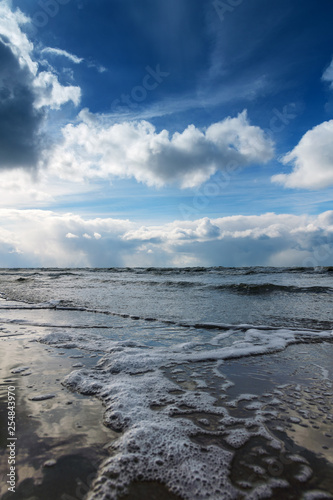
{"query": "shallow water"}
(204, 373)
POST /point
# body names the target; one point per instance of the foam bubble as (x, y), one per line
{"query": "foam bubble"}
(42, 397)
(20, 369)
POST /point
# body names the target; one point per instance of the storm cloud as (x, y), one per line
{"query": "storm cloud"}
(27, 92)
(20, 121)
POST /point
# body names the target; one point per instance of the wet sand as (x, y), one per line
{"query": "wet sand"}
(61, 441)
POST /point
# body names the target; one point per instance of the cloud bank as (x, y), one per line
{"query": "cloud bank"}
(96, 148)
(35, 238)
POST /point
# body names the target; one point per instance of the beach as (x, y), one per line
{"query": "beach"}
(126, 406)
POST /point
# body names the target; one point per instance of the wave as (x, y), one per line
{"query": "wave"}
(225, 270)
(167, 271)
(217, 270)
(241, 288)
(183, 324)
(62, 274)
(264, 288)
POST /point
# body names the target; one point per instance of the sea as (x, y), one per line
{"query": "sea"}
(216, 382)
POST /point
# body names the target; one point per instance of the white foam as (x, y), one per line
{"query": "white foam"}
(49, 463)
(238, 437)
(317, 495)
(153, 445)
(254, 342)
(304, 474)
(20, 369)
(266, 490)
(242, 397)
(297, 459)
(325, 373)
(42, 397)
(256, 405)
(294, 420)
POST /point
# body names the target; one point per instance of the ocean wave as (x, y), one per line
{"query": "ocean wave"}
(169, 270)
(264, 288)
(57, 275)
(241, 288)
(316, 326)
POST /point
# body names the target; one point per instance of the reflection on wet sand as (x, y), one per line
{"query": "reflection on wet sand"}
(60, 441)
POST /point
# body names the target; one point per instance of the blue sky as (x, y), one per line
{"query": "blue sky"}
(119, 117)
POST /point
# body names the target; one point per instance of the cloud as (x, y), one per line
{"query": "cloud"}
(20, 189)
(312, 160)
(62, 53)
(45, 238)
(98, 148)
(26, 93)
(328, 75)
(49, 92)
(20, 121)
(13, 36)
(73, 58)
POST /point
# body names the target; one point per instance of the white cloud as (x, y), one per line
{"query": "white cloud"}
(72, 57)
(62, 53)
(98, 148)
(20, 189)
(49, 92)
(44, 238)
(312, 160)
(328, 75)
(99, 67)
(10, 29)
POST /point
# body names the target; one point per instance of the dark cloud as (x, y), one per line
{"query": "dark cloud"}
(19, 120)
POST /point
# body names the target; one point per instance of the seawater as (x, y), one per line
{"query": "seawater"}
(164, 340)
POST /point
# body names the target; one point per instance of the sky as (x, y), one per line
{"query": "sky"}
(153, 133)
